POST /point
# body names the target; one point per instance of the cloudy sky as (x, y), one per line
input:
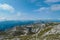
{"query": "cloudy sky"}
(29, 9)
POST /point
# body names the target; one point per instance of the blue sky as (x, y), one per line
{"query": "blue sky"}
(29, 9)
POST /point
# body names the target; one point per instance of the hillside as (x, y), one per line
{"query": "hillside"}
(33, 31)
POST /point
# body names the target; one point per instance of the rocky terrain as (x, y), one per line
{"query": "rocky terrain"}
(37, 31)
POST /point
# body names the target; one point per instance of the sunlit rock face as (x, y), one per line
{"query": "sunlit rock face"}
(56, 29)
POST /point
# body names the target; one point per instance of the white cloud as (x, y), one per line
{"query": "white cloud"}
(18, 14)
(6, 7)
(2, 18)
(58, 18)
(52, 1)
(55, 7)
(43, 10)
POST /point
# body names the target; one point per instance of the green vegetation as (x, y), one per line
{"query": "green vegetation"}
(44, 31)
(35, 36)
(53, 37)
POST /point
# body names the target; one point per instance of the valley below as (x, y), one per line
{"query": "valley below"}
(34, 31)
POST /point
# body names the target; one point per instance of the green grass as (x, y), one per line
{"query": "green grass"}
(44, 31)
(39, 36)
(52, 37)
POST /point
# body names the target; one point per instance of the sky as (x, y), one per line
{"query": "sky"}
(29, 9)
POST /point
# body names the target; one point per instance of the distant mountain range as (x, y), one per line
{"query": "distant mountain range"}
(9, 24)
